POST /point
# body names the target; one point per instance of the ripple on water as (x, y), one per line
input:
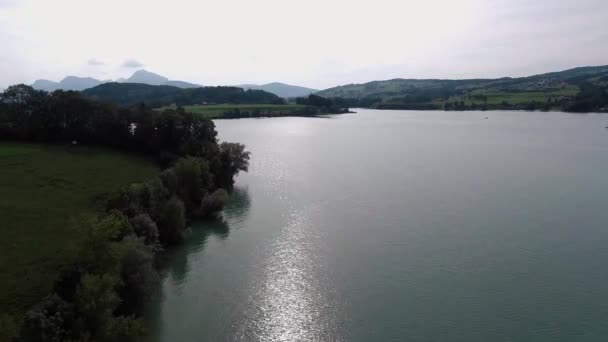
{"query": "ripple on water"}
(291, 299)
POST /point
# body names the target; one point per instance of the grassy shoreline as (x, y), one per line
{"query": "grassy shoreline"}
(219, 111)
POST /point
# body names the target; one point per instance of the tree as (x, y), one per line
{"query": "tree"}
(232, 159)
(172, 221)
(146, 228)
(100, 252)
(137, 273)
(193, 180)
(96, 299)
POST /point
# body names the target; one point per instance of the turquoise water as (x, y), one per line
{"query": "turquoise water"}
(402, 226)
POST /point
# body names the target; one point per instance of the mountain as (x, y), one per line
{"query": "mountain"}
(281, 89)
(146, 77)
(45, 85)
(129, 94)
(82, 83)
(78, 83)
(182, 84)
(68, 83)
(556, 90)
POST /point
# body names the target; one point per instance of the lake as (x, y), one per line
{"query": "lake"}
(402, 226)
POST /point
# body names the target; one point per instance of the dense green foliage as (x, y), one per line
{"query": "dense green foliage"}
(98, 295)
(580, 89)
(323, 105)
(129, 94)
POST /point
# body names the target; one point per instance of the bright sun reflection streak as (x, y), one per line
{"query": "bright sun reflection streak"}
(293, 299)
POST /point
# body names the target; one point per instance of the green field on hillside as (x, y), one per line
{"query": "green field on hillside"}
(497, 97)
(217, 111)
(42, 187)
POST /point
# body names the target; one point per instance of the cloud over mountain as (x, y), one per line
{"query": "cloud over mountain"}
(95, 62)
(131, 63)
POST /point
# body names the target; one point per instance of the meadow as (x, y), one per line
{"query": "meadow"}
(217, 111)
(491, 96)
(43, 187)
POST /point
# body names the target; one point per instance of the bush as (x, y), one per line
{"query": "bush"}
(232, 159)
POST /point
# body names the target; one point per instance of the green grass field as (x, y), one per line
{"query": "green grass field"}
(217, 111)
(41, 188)
(514, 98)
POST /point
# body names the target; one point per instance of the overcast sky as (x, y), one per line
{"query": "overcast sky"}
(315, 43)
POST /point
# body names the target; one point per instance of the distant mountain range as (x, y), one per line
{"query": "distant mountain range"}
(281, 89)
(579, 89)
(150, 78)
(82, 83)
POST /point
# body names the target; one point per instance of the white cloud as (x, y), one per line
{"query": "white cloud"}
(95, 62)
(131, 63)
(317, 43)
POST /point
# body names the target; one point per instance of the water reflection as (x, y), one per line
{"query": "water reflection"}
(236, 209)
(293, 298)
(176, 266)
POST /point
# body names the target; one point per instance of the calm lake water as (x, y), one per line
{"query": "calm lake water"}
(402, 226)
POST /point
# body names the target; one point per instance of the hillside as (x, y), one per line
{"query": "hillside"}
(579, 89)
(129, 94)
(281, 89)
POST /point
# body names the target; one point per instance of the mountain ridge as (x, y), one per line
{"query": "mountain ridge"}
(77, 83)
(283, 90)
(143, 76)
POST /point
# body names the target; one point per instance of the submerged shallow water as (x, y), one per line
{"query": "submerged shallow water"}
(402, 226)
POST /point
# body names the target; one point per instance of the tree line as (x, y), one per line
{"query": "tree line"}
(99, 295)
(321, 105)
(130, 94)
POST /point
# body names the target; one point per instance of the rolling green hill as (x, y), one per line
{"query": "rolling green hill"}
(579, 89)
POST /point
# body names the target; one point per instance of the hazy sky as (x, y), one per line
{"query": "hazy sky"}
(316, 43)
